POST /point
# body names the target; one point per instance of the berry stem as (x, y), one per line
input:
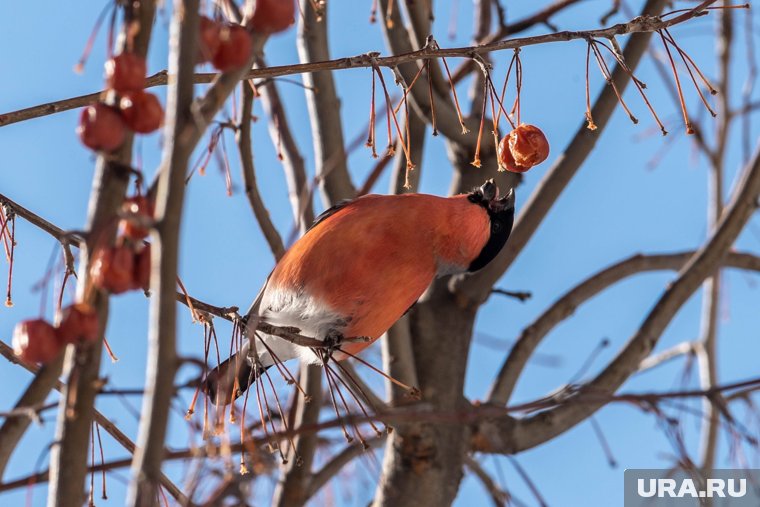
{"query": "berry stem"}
(465, 130)
(687, 122)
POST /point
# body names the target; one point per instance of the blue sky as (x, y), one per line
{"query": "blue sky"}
(616, 206)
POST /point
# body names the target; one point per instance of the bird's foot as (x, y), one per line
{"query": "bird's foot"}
(332, 341)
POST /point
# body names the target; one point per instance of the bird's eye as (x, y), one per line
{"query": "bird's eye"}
(495, 226)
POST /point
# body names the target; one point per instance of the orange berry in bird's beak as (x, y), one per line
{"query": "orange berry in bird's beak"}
(523, 148)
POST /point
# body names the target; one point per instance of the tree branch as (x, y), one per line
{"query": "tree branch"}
(476, 288)
(38, 390)
(518, 26)
(68, 458)
(331, 469)
(324, 109)
(673, 352)
(292, 488)
(295, 171)
(566, 305)
(224, 83)
(162, 361)
(534, 430)
(258, 207)
(499, 496)
(399, 42)
(707, 352)
(99, 418)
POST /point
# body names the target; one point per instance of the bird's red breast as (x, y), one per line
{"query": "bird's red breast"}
(371, 259)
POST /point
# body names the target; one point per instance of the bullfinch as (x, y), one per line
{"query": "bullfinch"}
(360, 267)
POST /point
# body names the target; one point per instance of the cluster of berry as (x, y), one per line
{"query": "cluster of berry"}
(103, 126)
(38, 341)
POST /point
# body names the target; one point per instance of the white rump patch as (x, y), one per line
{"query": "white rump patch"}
(289, 308)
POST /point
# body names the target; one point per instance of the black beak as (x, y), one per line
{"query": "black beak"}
(503, 203)
(489, 190)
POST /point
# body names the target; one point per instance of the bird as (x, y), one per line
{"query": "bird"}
(359, 268)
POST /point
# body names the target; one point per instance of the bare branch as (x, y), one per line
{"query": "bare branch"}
(292, 489)
(399, 42)
(518, 26)
(59, 106)
(38, 390)
(99, 418)
(499, 496)
(330, 469)
(39, 222)
(224, 83)
(419, 28)
(258, 207)
(295, 171)
(655, 360)
(365, 391)
(324, 109)
(566, 305)
(476, 288)
(162, 361)
(536, 429)
(707, 352)
(68, 458)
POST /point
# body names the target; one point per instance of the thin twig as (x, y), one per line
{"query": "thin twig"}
(243, 137)
(162, 361)
(643, 24)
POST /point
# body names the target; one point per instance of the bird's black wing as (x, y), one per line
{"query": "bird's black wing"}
(219, 384)
(330, 212)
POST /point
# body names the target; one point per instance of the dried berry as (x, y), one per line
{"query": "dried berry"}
(78, 323)
(112, 269)
(126, 72)
(141, 277)
(271, 16)
(101, 128)
(36, 341)
(208, 40)
(142, 111)
(523, 148)
(138, 211)
(234, 48)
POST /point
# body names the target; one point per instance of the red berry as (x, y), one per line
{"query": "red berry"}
(271, 16)
(101, 128)
(141, 277)
(234, 48)
(79, 323)
(36, 341)
(523, 148)
(126, 72)
(139, 209)
(142, 111)
(208, 40)
(112, 269)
